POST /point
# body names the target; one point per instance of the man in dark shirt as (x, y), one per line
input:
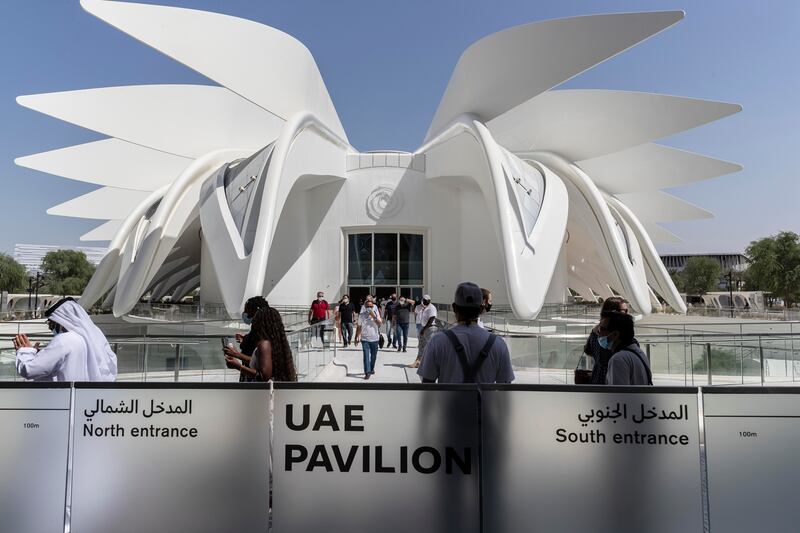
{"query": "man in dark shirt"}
(345, 312)
(388, 317)
(402, 316)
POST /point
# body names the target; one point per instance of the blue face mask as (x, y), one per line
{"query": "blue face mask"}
(604, 343)
(247, 319)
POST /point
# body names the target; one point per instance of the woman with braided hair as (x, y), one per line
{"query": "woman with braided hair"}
(272, 358)
(247, 342)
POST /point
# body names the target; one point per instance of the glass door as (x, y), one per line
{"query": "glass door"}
(385, 263)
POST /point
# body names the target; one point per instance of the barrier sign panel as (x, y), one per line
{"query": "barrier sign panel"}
(598, 459)
(178, 458)
(376, 459)
(753, 462)
(34, 437)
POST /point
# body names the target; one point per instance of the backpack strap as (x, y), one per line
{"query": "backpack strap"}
(462, 357)
(646, 368)
(470, 372)
(483, 355)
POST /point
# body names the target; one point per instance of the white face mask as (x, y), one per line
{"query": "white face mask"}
(402, 301)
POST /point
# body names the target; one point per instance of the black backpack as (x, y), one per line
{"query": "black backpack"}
(470, 371)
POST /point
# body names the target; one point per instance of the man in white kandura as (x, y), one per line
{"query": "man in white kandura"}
(78, 352)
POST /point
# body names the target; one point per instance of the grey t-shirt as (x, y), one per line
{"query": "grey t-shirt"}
(626, 368)
(440, 361)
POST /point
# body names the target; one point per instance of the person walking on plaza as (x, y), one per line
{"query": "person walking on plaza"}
(368, 332)
(388, 318)
(272, 356)
(466, 353)
(78, 352)
(345, 312)
(628, 365)
(593, 349)
(319, 312)
(402, 317)
(427, 319)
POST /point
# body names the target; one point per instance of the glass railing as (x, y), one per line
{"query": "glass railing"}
(699, 359)
(189, 356)
(754, 352)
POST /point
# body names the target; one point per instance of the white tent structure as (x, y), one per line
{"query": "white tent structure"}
(251, 187)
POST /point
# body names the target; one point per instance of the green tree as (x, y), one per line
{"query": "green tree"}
(66, 272)
(678, 280)
(700, 275)
(13, 277)
(775, 266)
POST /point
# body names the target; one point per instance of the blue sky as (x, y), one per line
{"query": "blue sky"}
(386, 65)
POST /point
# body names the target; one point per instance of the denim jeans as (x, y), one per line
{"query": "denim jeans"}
(319, 331)
(389, 331)
(419, 328)
(370, 354)
(401, 333)
(347, 332)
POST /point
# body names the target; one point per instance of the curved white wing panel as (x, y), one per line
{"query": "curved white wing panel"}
(184, 289)
(527, 185)
(172, 282)
(175, 213)
(507, 68)
(110, 162)
(106, 203)
(601, 224)
(108, 271)
(580, 124)
(241, 274)
(657, 275)
(184, 120)
(659, 234)
(529, 260)
(650, 166)
(284, 79)
(658, 206)
(104, 232)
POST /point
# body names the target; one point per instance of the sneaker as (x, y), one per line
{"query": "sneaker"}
(404, 348)
(399, 349)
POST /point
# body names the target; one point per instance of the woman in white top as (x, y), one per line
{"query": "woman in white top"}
(368, 332)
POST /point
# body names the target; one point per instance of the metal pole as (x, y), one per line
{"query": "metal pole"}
(761, 359)
(36, 296)
(177, 362)
(30, 292)
(730, 289)
(708, 361)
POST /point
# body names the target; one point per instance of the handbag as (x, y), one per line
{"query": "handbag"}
(583, 376)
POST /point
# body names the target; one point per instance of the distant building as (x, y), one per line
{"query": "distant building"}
(30, 255)
(728, 262)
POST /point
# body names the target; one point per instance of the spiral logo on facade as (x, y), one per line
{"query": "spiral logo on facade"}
(383, 202)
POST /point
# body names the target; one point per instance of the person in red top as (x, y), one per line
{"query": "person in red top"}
(319, 312)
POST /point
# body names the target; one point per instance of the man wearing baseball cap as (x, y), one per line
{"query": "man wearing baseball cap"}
(466, 353)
